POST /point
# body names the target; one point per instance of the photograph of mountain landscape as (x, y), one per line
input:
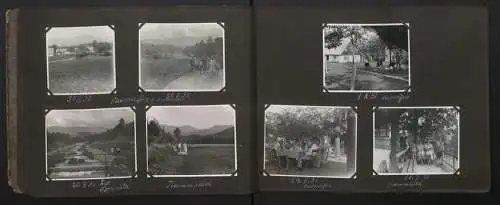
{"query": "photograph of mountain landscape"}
(90, 143)
(181, 56)
(80, 60)
(191, 140)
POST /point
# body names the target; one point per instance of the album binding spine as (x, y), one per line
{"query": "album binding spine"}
(11, 108)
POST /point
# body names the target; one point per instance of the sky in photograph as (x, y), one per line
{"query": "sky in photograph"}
(201, 117)
(69, 36)
(179, 34)
(89, 118)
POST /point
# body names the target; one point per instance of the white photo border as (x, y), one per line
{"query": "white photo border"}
(224, 83)
(235, 171)
(326, 90)
(48, 179)
(50, 92)
(352, 175)
(458, 170)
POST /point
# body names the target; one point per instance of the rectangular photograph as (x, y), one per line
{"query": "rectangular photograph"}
(190, 141)
(80, 60)
(90, 144)
(182, 57)
(310, 141)
(416, 140)
(366, 57)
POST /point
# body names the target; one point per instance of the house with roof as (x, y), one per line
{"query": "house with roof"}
(51, 51)
(342, 54)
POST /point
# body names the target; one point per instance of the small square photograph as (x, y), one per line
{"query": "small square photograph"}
(182, 57)
(190, 141)
(90, 144)
(80, 60)
(366, 57)
(416, 140)
(310, 141)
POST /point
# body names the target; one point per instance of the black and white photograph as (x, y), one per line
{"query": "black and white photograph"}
(90, 144)
(190, 141)
(310, 141)
(366, 57)
(80, 60)
(182, 57)
(416, 140)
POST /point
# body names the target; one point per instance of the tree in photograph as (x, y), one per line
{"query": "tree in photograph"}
(103, 48)
(211, 48)
(178, 134)
(310, 122)
(335, 36)
(375, 48)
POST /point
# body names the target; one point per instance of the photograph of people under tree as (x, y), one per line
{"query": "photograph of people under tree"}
(420, 140)
(310, 141)
(191, 140)
(366, 57)
(182, 56)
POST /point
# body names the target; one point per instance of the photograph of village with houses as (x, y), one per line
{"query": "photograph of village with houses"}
(80, 60)
(182, 57)
(366, 57)
(315, 141)
(416, 141)
(90, 144)
(191, 140)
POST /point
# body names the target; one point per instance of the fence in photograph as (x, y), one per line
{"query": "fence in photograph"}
(450, 160)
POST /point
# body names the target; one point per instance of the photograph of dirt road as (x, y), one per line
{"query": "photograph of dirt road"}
(182, 57)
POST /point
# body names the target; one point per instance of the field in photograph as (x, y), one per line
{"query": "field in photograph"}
(200, 160)
(90, 160)
(172, 73)
(158, 73)
(81, 75)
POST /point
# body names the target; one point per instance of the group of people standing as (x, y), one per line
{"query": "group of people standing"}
(203, 65)
(299, 151)
(427, 152)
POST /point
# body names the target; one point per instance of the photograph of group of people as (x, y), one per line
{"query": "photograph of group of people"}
(310, 141)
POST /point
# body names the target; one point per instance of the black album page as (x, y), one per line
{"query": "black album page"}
(115, 101)
(373, 99)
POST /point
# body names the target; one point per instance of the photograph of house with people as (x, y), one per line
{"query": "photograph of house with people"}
(315, 141)
(80, 60)
(421, 140)
(90, 143)
(366, 57)
(182, 56)
(191, 140)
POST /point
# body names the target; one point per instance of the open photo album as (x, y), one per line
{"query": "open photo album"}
(196, 100)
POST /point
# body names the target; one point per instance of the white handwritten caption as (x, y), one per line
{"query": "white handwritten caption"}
(399, 98)
(198, 185)
(103, 186)
(310, 183)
